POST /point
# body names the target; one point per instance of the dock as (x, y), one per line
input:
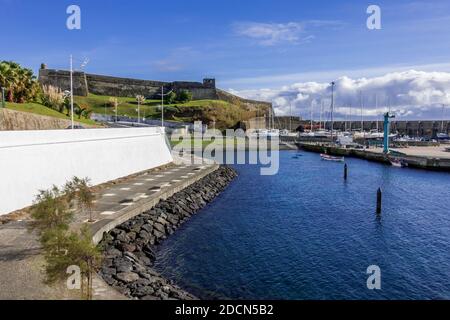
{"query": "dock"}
(430, 158)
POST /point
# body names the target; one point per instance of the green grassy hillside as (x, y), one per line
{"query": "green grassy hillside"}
(42, 110)
(224, 114)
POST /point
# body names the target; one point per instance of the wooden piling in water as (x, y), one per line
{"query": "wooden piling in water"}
(379, 200)
(345, 172)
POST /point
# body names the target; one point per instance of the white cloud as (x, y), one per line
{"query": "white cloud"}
(411, 94)
(271, 34)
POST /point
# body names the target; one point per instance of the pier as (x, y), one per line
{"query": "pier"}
(430, 158)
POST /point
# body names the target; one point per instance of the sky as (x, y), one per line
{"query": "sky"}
(285, 51)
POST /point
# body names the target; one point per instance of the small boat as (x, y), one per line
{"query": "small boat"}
(398, 163)
(332, 158)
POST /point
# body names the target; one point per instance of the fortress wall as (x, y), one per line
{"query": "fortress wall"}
(61, 79)
(123, 87)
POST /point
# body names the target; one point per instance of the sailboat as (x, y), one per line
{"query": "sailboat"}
(332, 158)
(398, 163)
(271, 132)
(443, 136)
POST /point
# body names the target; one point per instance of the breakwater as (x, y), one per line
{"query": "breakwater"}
(130, 248)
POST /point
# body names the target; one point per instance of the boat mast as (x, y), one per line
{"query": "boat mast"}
(362, 107)
(332, 109)
(346, 120)
(290, 117)
(321, 113)
(376, 108)
(350, 116)
(311, 116)
(443, 115)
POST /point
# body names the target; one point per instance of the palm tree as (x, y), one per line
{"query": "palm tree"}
(140, 100)
(20, 82)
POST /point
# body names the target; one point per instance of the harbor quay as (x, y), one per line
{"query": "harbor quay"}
(430, 158)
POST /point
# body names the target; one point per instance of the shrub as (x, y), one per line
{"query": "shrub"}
(140, 99)
(62, 247)
(113, 102)
(170, 98)
(184, 96)
(53, 98)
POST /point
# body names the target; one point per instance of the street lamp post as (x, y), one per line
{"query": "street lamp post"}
(3, 98)
(71, 90)
(139, 111)
(162, 104)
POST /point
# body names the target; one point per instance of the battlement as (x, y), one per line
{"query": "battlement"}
(124, 87)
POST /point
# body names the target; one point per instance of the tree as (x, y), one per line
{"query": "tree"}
(113, 102)
(87, 113)
(140, 99)
(20, 83)
(170, 98)
(81, 110)
(50, 211)
(79, 251)
(80, 190)
(64, 248)
(184, 96)
(83, 253)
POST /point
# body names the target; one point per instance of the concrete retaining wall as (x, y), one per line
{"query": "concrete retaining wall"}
(34, 160)
(18, 120)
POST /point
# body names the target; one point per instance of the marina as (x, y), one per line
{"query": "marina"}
(313, 234)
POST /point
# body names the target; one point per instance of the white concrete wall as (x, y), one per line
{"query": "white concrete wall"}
(35, 160)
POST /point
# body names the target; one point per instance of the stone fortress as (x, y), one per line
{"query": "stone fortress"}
(84, 83)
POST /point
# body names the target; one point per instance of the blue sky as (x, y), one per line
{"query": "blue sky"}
(246, 45)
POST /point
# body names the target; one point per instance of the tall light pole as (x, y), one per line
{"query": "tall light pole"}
(3, 98)
(162, 106)
(139, 110)
(162, 103)
(71, 90)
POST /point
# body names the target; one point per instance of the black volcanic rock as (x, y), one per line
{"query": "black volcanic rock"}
(130, 249)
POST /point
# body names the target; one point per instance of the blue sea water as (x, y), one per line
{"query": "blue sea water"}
(305, 233)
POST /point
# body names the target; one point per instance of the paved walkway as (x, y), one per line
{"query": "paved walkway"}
(21, 264)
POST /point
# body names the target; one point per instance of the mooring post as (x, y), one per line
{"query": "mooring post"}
(379, 200)
(345, 171)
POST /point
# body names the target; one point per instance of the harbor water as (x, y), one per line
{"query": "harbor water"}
(305, 233)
